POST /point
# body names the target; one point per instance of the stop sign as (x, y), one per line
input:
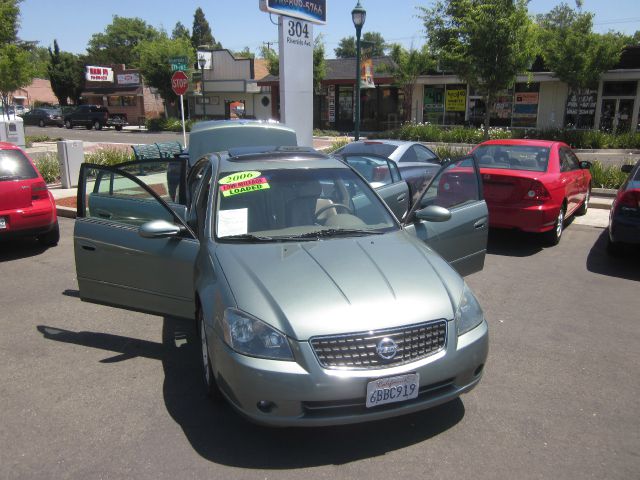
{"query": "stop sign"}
(179, 83)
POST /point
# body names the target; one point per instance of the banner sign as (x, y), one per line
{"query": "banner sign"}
(433, 99)
(456, 101)
(332, 103)
(314, 11)
(527, 98)
(99, 74)
(366, 74)
(128, 78)
(587, 103)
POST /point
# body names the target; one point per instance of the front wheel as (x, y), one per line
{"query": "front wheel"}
(552, 237)
(97, 125)
(585, 206)
(211, 387)
(68, 124)
(118, 128)
(41, 123)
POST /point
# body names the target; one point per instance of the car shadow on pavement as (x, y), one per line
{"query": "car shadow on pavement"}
(20, 248)
(513, 243)
(220, 435)
(626, 265)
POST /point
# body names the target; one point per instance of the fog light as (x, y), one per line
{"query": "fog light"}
(478, 370)
(265, 406)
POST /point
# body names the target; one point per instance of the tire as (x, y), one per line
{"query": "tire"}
(585, 206)
(89, 127)
(118, 128)
(552, 237)
(210, 384)
(614, 249)
(51, 238)
(68, 124)
(41, 123)
(97, 125)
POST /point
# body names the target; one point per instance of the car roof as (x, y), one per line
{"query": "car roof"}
(8, 146)
(278, 159)
(522, 142)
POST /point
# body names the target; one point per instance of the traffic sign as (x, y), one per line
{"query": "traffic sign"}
(179, 83)
(178, 63)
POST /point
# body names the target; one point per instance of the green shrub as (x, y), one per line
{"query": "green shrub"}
(155, 124)
(341, 142)
(168, 125)
(29, 140)
(606, 176)
(109, 156)
(48, 167)
(325, 133)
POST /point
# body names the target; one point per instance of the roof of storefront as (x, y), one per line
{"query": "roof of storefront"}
(342, 70)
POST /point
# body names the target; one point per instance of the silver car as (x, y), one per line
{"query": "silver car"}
(314, 305)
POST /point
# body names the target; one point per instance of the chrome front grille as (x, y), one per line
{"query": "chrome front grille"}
(356, 351)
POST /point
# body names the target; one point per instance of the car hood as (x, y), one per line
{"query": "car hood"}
(338, 285)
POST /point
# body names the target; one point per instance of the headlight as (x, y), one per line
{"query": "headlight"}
(250, 336)
(469, 314)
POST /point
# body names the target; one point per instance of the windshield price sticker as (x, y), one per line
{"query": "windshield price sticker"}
(238, 177)
(251, 185)
(233, 222)
(393, 389)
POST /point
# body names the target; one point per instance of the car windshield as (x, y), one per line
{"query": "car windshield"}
(294, 204)
(15, 166)
(513, 157)
(375, 148)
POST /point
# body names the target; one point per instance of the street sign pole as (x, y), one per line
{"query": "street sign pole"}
(184, 132)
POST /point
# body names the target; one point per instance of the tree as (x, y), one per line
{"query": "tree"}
(180, 31)
(15, 72)
(576, 54)
(117, 45)
(201, 32)
(154, 62)
(485, 43)
(319, 64)
(9, 15)
(244, 53)
(40, 61)
(373, 41)
(66, 75)
(408, 65)
(272, 58)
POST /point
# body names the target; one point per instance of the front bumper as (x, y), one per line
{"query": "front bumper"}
(526, 217)
(305, 394)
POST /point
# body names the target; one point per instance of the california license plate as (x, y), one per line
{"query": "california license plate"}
(3, 223)
(392, 389)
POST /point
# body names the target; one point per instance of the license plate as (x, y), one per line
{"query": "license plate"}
(3, 223)
(392, 389)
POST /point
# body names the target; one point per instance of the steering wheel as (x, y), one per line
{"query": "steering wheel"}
(333, 205)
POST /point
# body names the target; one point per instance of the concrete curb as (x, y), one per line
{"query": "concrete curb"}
(65, 212)
(604, 192)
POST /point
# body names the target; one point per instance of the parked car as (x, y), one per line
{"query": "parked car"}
(94, 116)
(43, 117)
(27, 207)
(533, 185)
(416, 163)
(283, 258)
(624, 216)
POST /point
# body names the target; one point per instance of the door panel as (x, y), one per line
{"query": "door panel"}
(396, 196)
(461, 240)
(114, 264)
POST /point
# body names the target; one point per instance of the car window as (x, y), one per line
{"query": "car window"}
(454, 185)
(14, 165)
(513, 157)
(289, 203)
(568, 161)
(375, 170)
(373, 148)
(201, 201)
(423, 154)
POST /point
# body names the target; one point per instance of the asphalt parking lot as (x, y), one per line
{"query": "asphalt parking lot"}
(96, 392)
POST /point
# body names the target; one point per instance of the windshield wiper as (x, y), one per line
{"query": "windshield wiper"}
(331, 232)
(248, 237)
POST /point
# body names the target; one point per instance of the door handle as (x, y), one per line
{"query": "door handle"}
(103, 214)
(480, 224)
(401, 197)
(89, 248)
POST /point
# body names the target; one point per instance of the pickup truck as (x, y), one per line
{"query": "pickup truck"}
(94, 116)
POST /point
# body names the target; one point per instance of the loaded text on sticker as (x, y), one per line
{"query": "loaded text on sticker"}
(248, 188)
(246, 183)
(238, 177)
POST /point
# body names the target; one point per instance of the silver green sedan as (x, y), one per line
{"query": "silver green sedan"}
(314, 305)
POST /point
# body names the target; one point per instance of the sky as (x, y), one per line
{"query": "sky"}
(239, 24)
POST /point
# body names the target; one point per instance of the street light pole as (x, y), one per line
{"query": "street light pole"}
(358, 15)
(203, 61)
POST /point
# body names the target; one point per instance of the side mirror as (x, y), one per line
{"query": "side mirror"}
(433, 213)
(585, 165)
(626, 168)
(159, 229)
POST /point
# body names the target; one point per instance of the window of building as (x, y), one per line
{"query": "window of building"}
(433, 110)
(581, 109)
(121, 100)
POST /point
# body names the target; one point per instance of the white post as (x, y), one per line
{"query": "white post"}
(184, 132)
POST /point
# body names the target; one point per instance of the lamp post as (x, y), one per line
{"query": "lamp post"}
(358, 15)
(203, 61)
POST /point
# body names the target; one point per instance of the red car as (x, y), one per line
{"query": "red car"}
(27, 207)
(533, 185)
